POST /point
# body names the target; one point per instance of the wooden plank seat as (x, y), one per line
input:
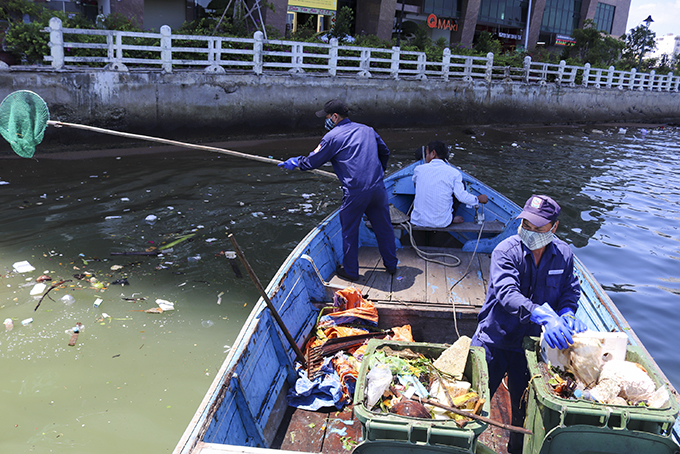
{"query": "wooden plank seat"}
(495, 227)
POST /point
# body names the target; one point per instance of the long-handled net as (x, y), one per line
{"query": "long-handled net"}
(23, 120)
(24, 116)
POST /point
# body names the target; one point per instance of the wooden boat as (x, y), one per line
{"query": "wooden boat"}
(246, 411)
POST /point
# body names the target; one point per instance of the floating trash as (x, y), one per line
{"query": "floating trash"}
(165, 305)
(38, 289)
(9, 324)
(108, 218)
(151, 218)
(207, 323)
(23, 267)
(67, 299)
(26, 322)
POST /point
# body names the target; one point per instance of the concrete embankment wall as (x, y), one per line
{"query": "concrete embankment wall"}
(193, 102)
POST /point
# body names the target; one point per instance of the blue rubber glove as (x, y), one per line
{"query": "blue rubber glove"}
(575, 324)
(557, 332)
(291, 164)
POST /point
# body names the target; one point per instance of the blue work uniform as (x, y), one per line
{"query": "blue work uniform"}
(516, 287)
(359, 158)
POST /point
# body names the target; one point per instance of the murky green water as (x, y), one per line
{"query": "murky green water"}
(134, 379)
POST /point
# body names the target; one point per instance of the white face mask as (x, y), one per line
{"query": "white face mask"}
(535, 240)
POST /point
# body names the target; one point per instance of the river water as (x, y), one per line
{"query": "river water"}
(134, 379)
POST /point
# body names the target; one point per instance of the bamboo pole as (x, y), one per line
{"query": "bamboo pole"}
(270, 305)
(238, 154)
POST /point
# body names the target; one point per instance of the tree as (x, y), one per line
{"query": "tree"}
(343, 23)
(639, 41)
(593, 46)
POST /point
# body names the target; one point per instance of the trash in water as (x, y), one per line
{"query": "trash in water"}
(124, 199)
(151, 218)
(194, 258)
(207, 323)
(116, 267)
(43, 278)
(27, 322)
(38, 289)
(74, 337)
(108, 218)
(23, 267)
(165, 304)
(123, 281)
(9, 324)
(67, 299)
(219, 298)
(98, 302)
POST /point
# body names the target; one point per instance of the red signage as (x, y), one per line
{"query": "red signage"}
(442, 24)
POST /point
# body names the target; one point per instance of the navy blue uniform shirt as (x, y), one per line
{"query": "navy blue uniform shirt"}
(358, 154)
(517, 286)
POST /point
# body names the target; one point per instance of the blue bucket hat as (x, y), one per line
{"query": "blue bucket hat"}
(540, 210)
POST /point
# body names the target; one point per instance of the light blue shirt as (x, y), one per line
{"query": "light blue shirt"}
(436, 184)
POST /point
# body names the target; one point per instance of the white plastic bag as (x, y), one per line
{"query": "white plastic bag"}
(377, 381)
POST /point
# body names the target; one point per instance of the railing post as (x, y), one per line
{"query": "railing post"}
(56, 43)
(467, 70)
(117, 61)
(394, 65)
(527, 69)
(365, 63)
(446, 63)
(257, 52)
(215, 57)
(166, 49)
(422, 66)
(560, 71)
(610, 76)
(333, 57)
(586, 74)
(631, 82)
(652, 76)
(489, 67)
(297, 58)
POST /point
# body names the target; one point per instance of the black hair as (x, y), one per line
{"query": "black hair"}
(440, 148)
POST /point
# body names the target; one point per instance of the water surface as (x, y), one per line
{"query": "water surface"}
(134, 379)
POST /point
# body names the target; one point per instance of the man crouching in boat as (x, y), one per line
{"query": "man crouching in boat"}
(531, 285)
(359, 157)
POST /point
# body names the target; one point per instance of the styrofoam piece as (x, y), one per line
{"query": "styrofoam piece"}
(23, 267)
(38, 289)
(165, 305)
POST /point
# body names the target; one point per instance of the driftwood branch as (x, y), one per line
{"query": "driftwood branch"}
(52, 287)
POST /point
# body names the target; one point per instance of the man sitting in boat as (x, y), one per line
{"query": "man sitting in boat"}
(439, 191)
(359, 157)
(531, 285)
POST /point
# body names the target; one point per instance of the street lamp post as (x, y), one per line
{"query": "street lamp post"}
(647, 21)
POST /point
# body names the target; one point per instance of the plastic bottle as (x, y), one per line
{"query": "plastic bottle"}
(585, 394)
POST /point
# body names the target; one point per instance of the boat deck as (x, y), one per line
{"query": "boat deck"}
(422, 290)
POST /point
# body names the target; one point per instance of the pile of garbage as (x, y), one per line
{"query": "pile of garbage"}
(398, 381)
(415, 385)
(595, 368)
(336, 349)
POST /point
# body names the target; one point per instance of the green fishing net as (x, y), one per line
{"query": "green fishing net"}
(23, 119)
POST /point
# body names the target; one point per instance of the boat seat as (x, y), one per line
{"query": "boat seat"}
(488, 227)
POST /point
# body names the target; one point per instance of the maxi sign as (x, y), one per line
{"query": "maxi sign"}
(442, 24)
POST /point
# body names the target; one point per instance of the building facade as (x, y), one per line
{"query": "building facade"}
(518, 24)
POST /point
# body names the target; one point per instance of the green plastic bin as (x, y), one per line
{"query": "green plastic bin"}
(378, 426)
(549, 415)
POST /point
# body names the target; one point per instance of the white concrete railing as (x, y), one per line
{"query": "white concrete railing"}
(213, 54)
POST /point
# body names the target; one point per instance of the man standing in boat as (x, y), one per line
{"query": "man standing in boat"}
(359, 158)
(439, 191)
(531, 286)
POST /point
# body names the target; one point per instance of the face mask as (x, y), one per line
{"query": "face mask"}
(535, 240)
(329, 124)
